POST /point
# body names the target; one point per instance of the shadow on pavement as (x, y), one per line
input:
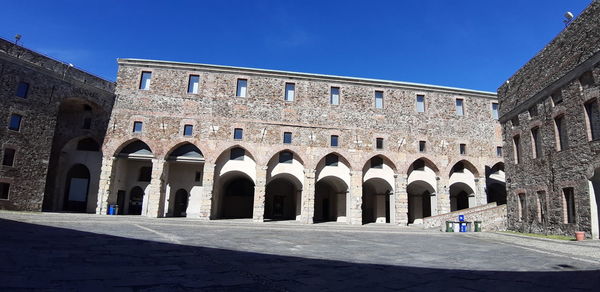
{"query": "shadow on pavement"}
(40, 257)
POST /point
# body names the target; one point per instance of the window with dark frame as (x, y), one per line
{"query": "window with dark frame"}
(145, 80)
(462, 149)
(138, 126)
(569, 205)
(237, 154)
(241, 88)
(8, 157)
(238, 134)
(522, 207)
(460, 110)
(15, 122)
(334, 97)
(287, 137)
(378, 99)
(422, 146)
(290, 91)
(193, 84)
(517, 148)
(4, 190)
(537, 142)
(592, 112)
(334, 141)
(286, 157)
(495, 114)
(562, 139)
(188, 130)
(499, 151)
(379, 143)
(22, 89)
(420, 103)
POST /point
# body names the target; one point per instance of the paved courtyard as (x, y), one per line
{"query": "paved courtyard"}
(49, 251)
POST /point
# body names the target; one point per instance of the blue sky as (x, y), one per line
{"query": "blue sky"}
(467, 43)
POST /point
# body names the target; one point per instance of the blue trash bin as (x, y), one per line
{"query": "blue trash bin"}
(463, 227)
(111, 209)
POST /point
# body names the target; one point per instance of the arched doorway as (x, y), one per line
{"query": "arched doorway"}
(237, 198)
(462, 185)
(136, 199)
(77, 186)
(421, 190)
(459, 196)
(330, 199)
(282, 196)
(233, 188)
(495, 184)
(376, 201)
(181, 203)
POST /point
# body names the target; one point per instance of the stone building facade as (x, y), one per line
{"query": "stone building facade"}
(213, 142)
(54, 119)
(551, 121)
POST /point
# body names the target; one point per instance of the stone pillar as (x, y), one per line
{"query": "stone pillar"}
(443, 196)
(107, 175)
(308, 197)
(355, 198)
(156, 193)
(258, 215)
(401, 200)
(480, 194)
(200, 204)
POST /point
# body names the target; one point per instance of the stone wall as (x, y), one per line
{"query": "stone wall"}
(492, 217)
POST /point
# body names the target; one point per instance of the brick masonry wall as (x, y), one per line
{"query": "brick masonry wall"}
(492, 217)
(558, 67)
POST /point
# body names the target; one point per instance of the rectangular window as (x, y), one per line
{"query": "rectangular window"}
(522, 207)
(15, 122)
(515, 121)
(334, 141)
(286, 157)
(87, 123)
(569, 205)
(240, 90)
(422, 146)
(517, 149)
(420, 103)
(379, 143)
(495, 114)
(377, 162)
(592, 113)
(193, 84)
(562, 140)
(587, 80)
(331, 160)
(460, 111)
(536, 142)
(4, 189)
(499, 151)
(137, 127)
(556, 97)
(237, 154)
(198, 176)
(287, 138)
(541, 203)
(22, 89)
(462, 149)
(145, 81)
(188, 130)
(378, 99)
(238, 134)
(8, 158)
(334, 97)
(533, 111)
(290, 90)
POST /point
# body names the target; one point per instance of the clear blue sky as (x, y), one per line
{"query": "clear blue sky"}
(473, 44)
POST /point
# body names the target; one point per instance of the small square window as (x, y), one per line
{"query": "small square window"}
(237, 154)
(334, 141)
(460, 111)
(188, 130)
(198, 176)
(4, 189)
(238, 134)
(22, 89)
(145, 81)
(193, 84)
(240, 90)
(422, 146)
(499, 151)
(420, 103)
(287, 138)
(290, 90)
(331, 160)
(286, 157)
(137, 127)
(15, 122)
(495, 114)
(463, 149)
(87, 123)
(378, 99)
(379, 143)
(334, 97)
(8, 159)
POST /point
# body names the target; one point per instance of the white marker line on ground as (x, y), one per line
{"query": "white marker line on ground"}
(171, 238)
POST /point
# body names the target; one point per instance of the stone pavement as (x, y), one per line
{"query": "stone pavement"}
(51, 251)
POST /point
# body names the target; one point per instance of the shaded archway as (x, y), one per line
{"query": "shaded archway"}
(76, 189)
(495, 184)
(185, 173)
(282, 200)
(421, 190)
(462, 185)
(136, 201)
(237, 196)
(460, 194)
(376, 201)
(180, 203)
(132, 171)
(330, 199)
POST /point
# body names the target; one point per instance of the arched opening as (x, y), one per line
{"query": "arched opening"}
(237, 197)
(495, 184)
(376, 201)
(77, 187)
(282, 198)
(136, 200)
(181, 203)
(421, 190)
(330, 199)
(594, 195)
(185, 172)
(460, 194)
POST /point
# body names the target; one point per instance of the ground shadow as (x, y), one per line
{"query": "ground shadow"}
(41, 257)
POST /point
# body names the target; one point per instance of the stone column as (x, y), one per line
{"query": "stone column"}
(200, 203)
(443, 196)
(258, 215)
(308, 197)
(401, 200)
(156, 194)
(107, 175)
(480, 194)
(355, 198)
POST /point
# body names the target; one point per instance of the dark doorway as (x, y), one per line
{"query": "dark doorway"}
(326, 207)
(462, 201)
(180, 204)
(238, 198)
(121, 202)
(280, 200)
(496, 192)
(136, 199)
(76, 190)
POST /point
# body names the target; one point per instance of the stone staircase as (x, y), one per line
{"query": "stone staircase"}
(492, 217)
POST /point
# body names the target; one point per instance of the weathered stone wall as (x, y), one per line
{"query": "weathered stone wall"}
(557, 68)
(492, 217)
(38, 143)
